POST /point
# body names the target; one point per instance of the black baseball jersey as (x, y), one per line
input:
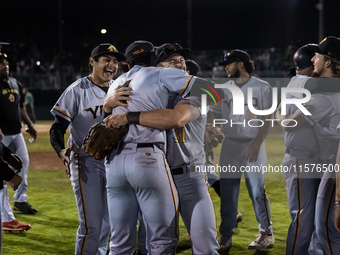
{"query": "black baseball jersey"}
(11, 102)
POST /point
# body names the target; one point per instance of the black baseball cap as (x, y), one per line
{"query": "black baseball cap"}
(167, 49)
(303, 57)
(234, 56)
(329, 46)
(3, 55)
(107, 48)
(138, 48)
(192, 67)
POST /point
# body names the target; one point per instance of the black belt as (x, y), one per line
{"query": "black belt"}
(241, 140)
(182, 170)
(311, 154)
(145, 145)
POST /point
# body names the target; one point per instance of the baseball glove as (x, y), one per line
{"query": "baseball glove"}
(101, 140)
(212, 137)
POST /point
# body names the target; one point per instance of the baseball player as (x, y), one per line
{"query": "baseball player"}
(80, 106)
(7, 159)
(325, 110)
(12, 99)
(184, 152)
(303, 150)
(139, 177)
(244, 146)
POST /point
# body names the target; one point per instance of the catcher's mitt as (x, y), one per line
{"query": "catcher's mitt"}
(212, 137)
(101, 140)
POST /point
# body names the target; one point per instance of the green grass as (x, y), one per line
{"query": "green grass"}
(54, 226)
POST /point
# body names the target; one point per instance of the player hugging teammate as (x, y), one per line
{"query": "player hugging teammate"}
(151, 177)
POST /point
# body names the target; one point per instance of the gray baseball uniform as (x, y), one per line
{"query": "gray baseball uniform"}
(238, 138)
(139, 177)
(81, 104)
(302, 187)
(325, 110)
(185, 151)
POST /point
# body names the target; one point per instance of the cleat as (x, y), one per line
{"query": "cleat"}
(225, 244)
(24, 207)
(262, 241)
(239, 218)
(15, 226)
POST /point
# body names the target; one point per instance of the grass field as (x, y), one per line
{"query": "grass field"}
(54, 226)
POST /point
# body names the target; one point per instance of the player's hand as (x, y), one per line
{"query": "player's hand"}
(116, 120)
(15, 161)
(15, 182)
(252, 152)
(113, 100)
(337, 218)
(64, 155)
(31, 130)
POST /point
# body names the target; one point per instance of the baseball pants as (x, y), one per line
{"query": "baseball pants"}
(18, 146)
(233, 154)
(302, 188)
(88, 180)
(324, 223)
(139, 179)
(197, 212)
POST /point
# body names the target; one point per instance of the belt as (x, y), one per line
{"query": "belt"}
(182, 170)
(145, 145)
(310, 155)
(241, 140)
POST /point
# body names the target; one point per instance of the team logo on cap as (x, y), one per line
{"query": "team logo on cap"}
(112, 48)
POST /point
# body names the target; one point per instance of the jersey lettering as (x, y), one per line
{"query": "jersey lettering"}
(94, 112)
(180, 136)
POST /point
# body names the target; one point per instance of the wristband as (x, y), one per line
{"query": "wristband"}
(133, 117)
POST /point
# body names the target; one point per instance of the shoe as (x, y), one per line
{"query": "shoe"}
(239, 218)
(15, 225)
(24, 207)
(225, 243)
(262, 241)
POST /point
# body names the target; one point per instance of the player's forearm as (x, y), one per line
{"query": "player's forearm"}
(25, 117)
(264, 130)
(163, 119)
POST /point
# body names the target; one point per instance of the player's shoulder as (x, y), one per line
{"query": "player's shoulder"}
(254, 81)
(298, 81)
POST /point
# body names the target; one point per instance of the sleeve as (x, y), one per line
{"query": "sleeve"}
(57, 131)
(319, 106)
(320, 85)
(267, 92)
(176, 81)
(67, 105)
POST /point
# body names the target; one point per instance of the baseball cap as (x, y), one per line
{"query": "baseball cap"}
(107, 48)
(167, 49)
(138, 48)
(234, 56)
(303, 57)
(3, 55)
(192, 66)
(329, 46)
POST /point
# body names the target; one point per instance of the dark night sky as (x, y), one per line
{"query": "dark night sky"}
(216, 24)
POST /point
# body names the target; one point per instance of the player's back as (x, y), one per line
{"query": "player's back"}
(151, 87)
